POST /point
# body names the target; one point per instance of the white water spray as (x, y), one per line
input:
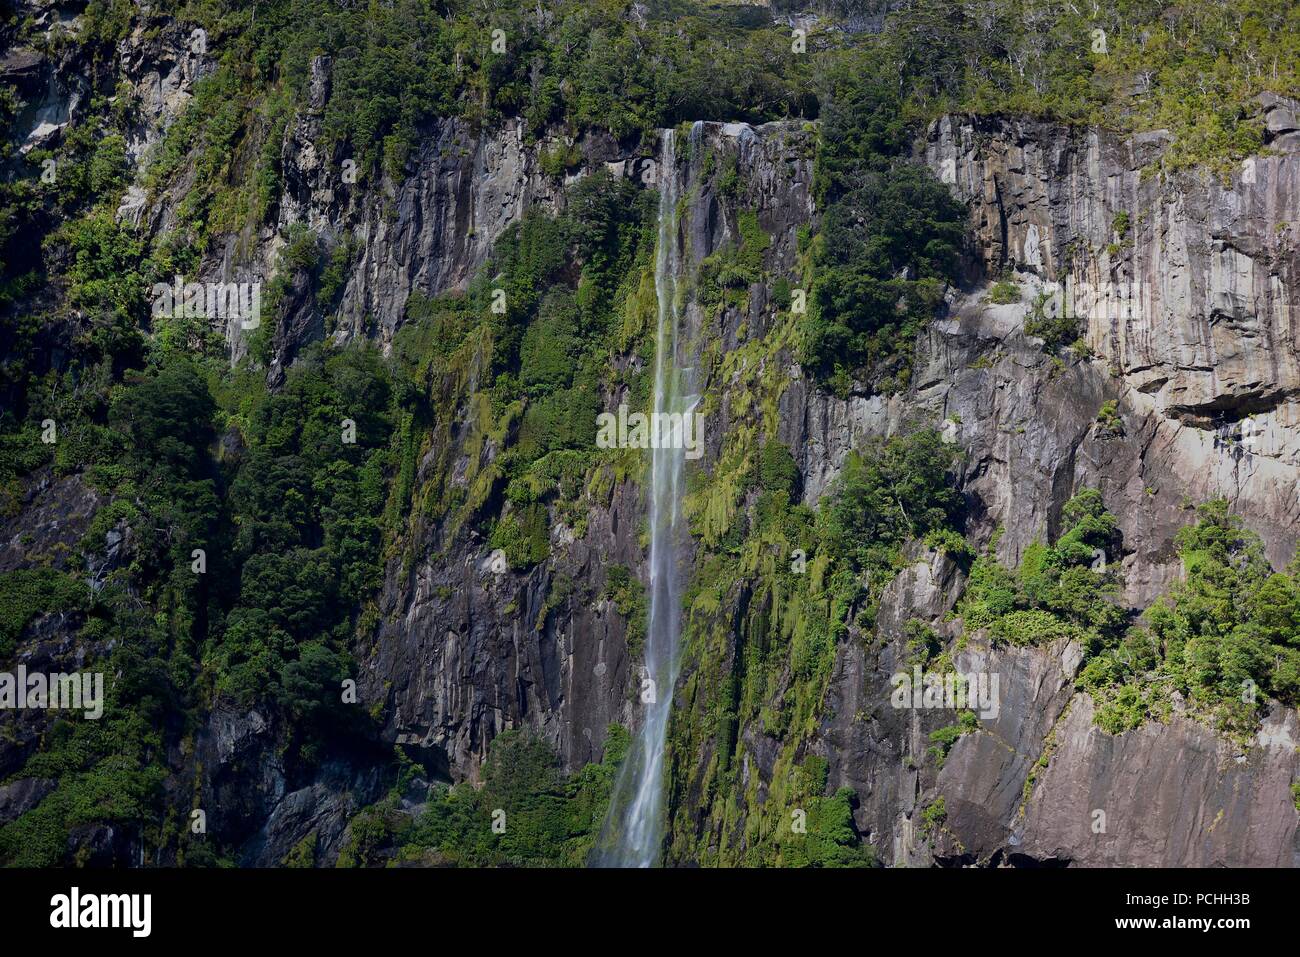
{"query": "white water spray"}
(633, 833)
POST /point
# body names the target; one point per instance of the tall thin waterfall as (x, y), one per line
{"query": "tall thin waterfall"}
(633, 832)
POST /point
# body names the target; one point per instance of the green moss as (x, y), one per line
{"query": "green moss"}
(303, 853)
(629, 597)
(524, 536)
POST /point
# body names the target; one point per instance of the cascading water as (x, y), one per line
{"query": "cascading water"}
(633, 832)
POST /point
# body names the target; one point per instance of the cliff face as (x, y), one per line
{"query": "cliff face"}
(465, 651)
(465, 656)
(1190, 330)
(428, 233)
(1188, 286)
(1191, 304)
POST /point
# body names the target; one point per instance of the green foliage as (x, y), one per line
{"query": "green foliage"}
(890, 493)
(551, 345)
(1225, 638)
(334, 275)
(560, 159)
(108, 770)
(168, 420)
(933, 815)
(1066, 590)
(1055, 330)
(290, 530)
(777, 471)
(28, 592)
(942, 739)
(106, 278)
(890, 240)
(629, 597)
(809, 581)
(308, 508)
(398, 67)
(303, 854)
(1228, 635)
(564, 282)
(546, 819)
(111, 792)
(813, 829)
(950, 542)
(862, 126)
(726, 275)
(1003, 292)
(524, 536)
(831, 839)
(923, 643)
(1108, 419)
(1191, 68)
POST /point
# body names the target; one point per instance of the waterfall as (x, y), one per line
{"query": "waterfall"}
(634, 828)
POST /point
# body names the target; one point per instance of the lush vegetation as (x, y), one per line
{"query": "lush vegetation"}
(571, 286)
(807, 581)
(890, 240)
(290, 508)
(1191, 67)
(1225, 638)
(258, 568)
(526, 814)
(1065, 590)
(565, 69)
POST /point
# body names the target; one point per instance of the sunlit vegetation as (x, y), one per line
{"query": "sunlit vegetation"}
(1226, 638)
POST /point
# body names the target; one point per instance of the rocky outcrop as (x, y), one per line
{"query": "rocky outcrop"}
(48, 522)
(255, 800)
(1187, 281)
(467, 651)
(47, 78)
(438, 228)
(160, 67)
(45, 530)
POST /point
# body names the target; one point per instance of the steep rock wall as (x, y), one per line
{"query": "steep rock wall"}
(1189, 325)
(465, 652)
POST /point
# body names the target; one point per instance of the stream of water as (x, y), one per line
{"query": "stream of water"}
(634, 832)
